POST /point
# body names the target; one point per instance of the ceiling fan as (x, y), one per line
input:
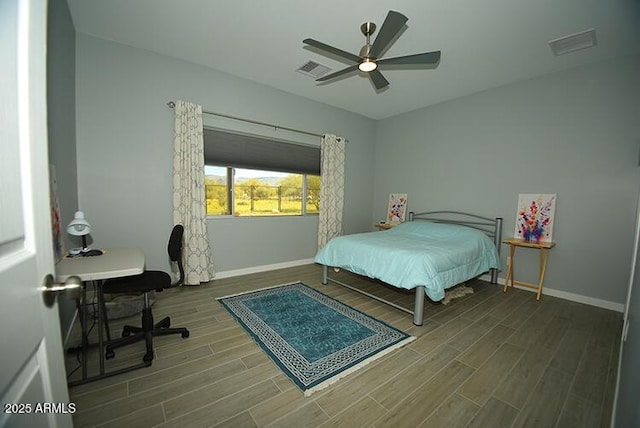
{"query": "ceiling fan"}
(369, 58)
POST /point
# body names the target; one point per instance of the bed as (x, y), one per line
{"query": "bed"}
(431, 252)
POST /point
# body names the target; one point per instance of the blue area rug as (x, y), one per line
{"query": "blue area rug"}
(312, 337)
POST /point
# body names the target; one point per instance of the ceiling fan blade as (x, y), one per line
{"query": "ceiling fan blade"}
(392, 24)
(337, 73)
(378, 79)
(332, 50)
(426, 58)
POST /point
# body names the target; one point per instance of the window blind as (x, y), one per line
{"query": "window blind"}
(251, 152)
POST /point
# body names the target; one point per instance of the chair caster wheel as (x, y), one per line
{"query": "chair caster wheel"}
(148, 358)
(185, 334)
(109, 354)
(126, 332)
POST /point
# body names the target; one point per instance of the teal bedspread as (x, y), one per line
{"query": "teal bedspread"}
(436, 255)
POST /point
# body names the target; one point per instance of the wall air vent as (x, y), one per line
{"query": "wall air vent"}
(574, 42)
(313, 69)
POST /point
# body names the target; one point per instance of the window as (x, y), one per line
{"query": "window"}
(249, 192)
(252, 176)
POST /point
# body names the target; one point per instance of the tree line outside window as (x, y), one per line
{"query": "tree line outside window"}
(246, 193)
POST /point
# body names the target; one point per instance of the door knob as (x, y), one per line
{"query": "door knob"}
(50, 288)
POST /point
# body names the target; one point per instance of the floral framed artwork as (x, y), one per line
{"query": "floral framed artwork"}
(534, 220)
(56, 226)
(397, 208)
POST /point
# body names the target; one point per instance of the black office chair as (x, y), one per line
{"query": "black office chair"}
(146, 282)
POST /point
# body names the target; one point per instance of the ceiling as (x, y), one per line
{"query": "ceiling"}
(484, 44)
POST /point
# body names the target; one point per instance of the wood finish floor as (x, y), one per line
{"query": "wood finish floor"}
(489, 359)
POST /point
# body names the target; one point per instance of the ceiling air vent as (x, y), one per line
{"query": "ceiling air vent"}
(313, 69)
(574, 42)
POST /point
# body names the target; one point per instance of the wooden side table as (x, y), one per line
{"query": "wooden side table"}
(384, 226)
(544, 248)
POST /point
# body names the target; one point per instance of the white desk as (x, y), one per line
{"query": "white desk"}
(114, 263)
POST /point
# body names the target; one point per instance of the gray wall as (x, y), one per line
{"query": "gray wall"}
(575, 133)
(61, 100)
(125, 148)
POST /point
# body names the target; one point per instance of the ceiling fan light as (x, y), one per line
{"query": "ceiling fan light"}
(367, 65)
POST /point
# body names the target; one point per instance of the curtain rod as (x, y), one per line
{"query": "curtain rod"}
(172, 104)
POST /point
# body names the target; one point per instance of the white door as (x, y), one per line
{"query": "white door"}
(626, 412)
(33, 389)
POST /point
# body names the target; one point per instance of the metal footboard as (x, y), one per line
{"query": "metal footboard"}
(418, 310)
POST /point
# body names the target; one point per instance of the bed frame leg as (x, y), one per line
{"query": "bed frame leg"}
(418, 308)
(497, 236)
(325, 275)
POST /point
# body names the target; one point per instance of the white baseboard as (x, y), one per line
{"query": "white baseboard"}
(263, 268)
(618, 307)
(605, 304)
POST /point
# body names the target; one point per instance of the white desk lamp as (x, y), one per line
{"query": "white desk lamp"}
(80, 227)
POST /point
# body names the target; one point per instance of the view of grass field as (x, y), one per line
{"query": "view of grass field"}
(263, 196)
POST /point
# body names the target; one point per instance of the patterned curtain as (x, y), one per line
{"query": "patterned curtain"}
(332, 151)
(189, 204)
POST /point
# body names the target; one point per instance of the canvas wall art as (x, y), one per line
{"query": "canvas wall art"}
(56, 226)
(397, 208)
(535, 217)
